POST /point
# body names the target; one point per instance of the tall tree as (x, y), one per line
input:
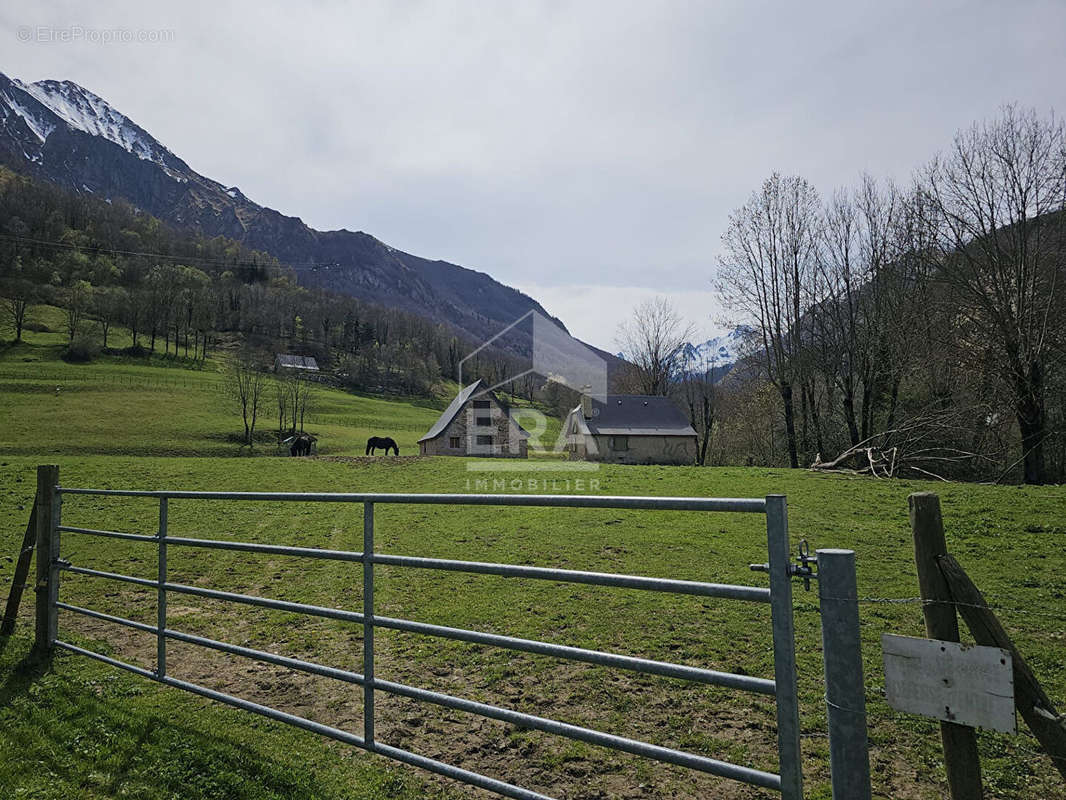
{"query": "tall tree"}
(766, 273)
(653, 342)
(18, 292)
(997, 201)
(247, 381)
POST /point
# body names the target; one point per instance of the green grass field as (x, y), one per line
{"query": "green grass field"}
(80, 729)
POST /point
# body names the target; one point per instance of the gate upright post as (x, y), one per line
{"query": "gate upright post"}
(788, 730)
(368, 625)
(47, 588)
(161, 597)
(845, 694)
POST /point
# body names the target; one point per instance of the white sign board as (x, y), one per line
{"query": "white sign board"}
(952, 682)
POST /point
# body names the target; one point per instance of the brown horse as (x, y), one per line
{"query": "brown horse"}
(374, 442)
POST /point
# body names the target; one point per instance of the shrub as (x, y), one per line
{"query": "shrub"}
(36, 327)
(82, 349)
(135, 350)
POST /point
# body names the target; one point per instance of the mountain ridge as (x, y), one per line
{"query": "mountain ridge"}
(63, 133)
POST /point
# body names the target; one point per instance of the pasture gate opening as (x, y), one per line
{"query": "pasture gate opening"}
(783, 687)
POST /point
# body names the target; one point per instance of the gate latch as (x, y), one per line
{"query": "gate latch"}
(801, 569)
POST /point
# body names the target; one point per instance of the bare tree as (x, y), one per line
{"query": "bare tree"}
(766, 274)
(997, 199)
(653, 343)
(246, 382)
(697, 391)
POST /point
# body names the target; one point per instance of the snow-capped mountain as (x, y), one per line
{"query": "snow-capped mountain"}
(63, 133)
(81, 109)
(721, 351)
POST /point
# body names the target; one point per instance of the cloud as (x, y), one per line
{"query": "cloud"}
(544, 140)
(593, 313)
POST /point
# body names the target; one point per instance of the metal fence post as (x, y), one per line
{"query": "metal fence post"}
(47, 588)
(161, 597)
(368, 624)
(788, 742)
(845, 694)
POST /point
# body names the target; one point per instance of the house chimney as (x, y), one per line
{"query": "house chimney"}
(586, 402)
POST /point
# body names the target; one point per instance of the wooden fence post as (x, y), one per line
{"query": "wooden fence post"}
(46, 628)
(1030, 699)
(959, 741)
(22, 572)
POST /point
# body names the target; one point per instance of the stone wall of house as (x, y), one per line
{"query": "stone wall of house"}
(680, 450)
(504, 431)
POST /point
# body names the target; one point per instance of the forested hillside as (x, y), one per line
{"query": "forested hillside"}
(106, 263)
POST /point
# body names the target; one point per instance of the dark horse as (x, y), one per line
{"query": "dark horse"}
(301, 445)
(375, 442)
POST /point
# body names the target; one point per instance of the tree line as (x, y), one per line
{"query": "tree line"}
(179, 294)
(913, 330)
(896, 331)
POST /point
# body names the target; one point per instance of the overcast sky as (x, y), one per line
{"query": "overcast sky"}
(586, 152)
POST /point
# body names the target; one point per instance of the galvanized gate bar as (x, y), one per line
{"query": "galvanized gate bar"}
(779, 595)
(274, 549)
(136, 537)
(667, 755)
(748, 505)
(788, 743)
(472, 778)
(576, 732)
(670, 585)
(723, 590)
(632, 663)
(214, 594)
(161, 597)
(368, 625)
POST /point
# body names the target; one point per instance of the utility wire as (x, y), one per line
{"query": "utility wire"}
(29, 240)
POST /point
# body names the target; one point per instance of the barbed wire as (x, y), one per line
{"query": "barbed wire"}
(957, 603)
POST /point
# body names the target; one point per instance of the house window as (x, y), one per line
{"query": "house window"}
(619, 442)
(453, 442)
(483, 420)
(482, 404)
(484, 440)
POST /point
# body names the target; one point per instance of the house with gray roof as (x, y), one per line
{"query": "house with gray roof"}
(630, 429)
(282, 361)
(476, 423)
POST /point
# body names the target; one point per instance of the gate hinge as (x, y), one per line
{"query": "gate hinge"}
(801, 569)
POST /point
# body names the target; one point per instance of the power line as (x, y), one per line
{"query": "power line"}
(12, 237)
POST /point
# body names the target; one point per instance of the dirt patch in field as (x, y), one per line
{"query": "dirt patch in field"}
(729, 726)
(621, 703)
(362, 461)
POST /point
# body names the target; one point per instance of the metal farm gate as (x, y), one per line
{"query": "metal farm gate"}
(788, 781)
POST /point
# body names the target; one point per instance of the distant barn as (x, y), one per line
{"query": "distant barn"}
(476, 423)
(283, 361)
(630, 429)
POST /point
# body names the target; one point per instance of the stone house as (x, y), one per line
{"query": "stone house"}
(630, 429)
(476, 423)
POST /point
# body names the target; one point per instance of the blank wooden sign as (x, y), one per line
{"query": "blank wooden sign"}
(952, 682)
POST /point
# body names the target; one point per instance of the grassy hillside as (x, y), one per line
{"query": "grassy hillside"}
(84, 730)
(118, 405)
